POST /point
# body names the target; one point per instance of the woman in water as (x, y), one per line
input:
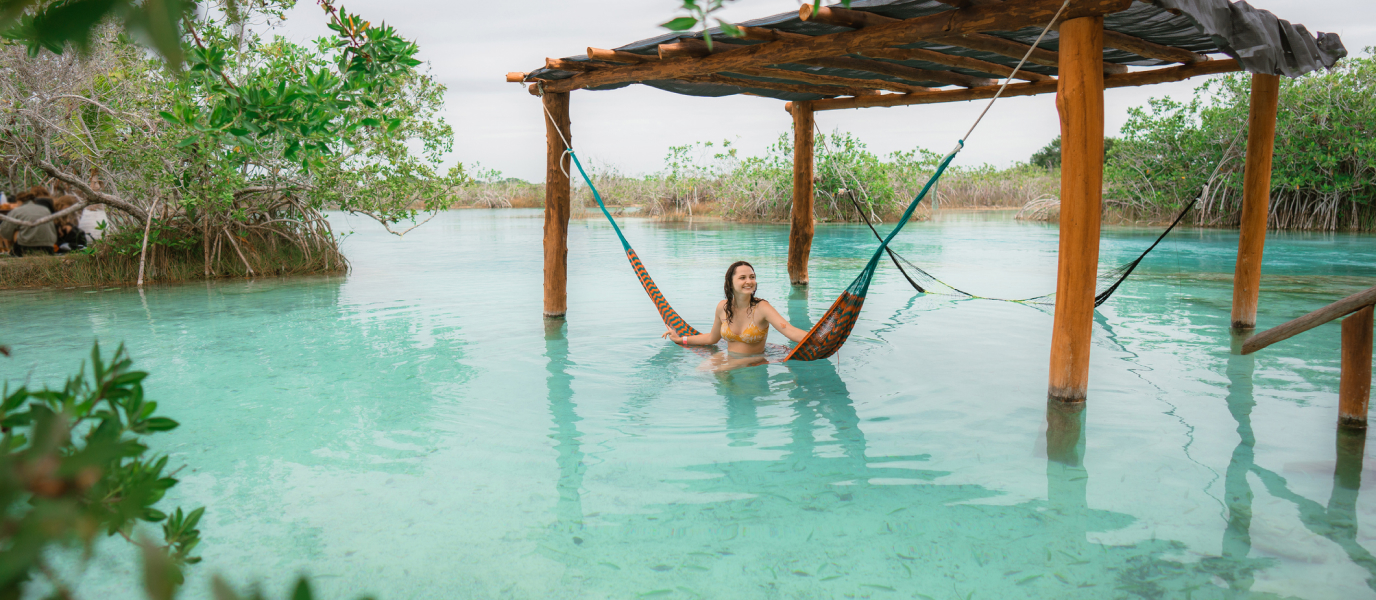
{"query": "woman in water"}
(741, 319)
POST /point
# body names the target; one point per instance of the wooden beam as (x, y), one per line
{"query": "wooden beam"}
(1080, 102)
(806, 77)
(1354, 388)
(1135, 78)
(617, 56)
(1011, 15)
(575, 66)
(1294, 327)
(557, 206)
(1141, 47)
(801, 229)
(1256, 198)
(770, 35)
(857, 19)
(694, 48)
(952, 60)
(899, 71)
(515, 77)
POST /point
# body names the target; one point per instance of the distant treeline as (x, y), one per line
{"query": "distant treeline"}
(1324, 174)
(713, 179)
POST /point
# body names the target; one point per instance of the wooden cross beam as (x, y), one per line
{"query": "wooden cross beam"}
(1135, 78)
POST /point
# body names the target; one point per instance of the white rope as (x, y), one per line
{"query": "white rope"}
(1009, 80)
(568, 148)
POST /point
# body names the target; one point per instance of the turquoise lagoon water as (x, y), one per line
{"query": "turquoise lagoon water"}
(417, 430)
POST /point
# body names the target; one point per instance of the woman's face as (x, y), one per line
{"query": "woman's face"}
(743, 281)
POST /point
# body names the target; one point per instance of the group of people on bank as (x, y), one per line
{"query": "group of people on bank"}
(55, 236)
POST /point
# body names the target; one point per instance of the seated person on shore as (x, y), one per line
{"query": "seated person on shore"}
(743, 320)
(25, 240)
(69, 234)
(16, 201)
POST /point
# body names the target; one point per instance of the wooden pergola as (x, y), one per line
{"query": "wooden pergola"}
(903, 52)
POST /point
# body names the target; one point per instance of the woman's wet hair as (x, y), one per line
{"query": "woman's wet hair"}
(45, 202)
(730, 291)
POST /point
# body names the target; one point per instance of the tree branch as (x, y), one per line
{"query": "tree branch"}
(53, 217)
(91, 194)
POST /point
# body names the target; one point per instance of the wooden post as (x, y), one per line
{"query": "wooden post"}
(800, 233)
(1256, 199)
(1354, 389)
(556, 203)
(1080, 101)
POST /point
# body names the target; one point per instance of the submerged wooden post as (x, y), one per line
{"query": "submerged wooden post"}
(800, 233)
(1354, 389)
(1256, 199)
(1080, 101)
(556, 203)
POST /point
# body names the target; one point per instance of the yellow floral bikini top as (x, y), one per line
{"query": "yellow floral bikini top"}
(752, 334)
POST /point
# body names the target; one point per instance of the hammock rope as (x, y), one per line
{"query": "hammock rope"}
(1109, 281)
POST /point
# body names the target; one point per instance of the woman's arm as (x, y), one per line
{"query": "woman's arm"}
(701, 339)
(780, 323)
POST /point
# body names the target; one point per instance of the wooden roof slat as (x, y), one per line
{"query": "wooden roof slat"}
(764, 34)
(806, 77)
(1011, 15)
(694, 48)
(895, 70)
(1141, 47)
(952, 60)
(574, 66)
(617, 56)
(1135, 78)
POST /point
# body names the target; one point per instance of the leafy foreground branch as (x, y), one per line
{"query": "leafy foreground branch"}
(74, 465)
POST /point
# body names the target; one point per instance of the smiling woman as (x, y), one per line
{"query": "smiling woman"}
(742, 320)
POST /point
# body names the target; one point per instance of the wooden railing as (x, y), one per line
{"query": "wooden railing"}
(1354, 389)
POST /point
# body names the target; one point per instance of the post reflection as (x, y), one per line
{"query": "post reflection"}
(568, 440)
(1237, 491)
(1067, 481)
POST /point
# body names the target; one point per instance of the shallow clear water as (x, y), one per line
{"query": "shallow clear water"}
(417, 430)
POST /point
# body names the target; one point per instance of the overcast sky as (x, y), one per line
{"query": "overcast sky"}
(471, 46)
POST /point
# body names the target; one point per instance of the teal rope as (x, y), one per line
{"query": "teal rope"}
(596, 196)
(907, 214)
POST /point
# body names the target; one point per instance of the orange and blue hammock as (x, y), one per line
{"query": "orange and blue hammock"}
(831, 331)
